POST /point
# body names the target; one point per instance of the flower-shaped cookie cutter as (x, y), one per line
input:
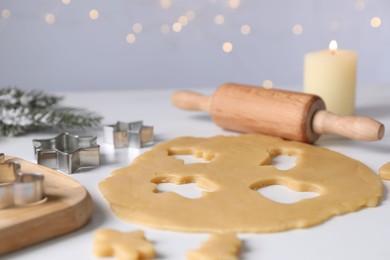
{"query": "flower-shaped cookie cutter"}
(19, 189)
(67, 153)
(133, 134)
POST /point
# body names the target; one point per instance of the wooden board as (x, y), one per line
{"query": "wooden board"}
(68, 208)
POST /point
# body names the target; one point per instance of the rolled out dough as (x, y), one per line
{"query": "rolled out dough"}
(238, 166)
(384, 172)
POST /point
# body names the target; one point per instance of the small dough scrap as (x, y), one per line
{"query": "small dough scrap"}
(238, 167)
(217, 247)
(384, 172)
(122, 245)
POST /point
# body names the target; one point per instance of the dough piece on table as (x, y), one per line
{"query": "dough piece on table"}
(238, 166)
(122, 245)
(384, 172)
(217, 247)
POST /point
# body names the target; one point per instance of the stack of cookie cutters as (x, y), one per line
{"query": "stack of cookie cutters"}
(67, 153)
(133, 134)
(19, 189)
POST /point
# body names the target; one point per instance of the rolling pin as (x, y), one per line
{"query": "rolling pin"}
(290, 115)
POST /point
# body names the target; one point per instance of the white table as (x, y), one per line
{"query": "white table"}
(360, 235)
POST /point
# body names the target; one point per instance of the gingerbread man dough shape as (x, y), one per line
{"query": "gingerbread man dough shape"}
(218, 246)
(238, 166)
(122, 245)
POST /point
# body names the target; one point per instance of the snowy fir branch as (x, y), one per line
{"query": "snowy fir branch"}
(25, 111)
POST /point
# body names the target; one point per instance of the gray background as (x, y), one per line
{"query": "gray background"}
(76, 52)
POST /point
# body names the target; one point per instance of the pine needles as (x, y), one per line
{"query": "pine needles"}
(24, 111)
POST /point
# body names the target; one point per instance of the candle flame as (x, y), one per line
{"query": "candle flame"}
(333, 45)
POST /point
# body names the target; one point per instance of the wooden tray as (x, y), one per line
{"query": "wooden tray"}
(68, 208)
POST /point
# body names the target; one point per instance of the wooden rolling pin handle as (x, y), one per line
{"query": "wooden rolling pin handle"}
(360, 128)
(190, 100)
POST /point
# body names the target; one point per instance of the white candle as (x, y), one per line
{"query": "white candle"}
(331, 74)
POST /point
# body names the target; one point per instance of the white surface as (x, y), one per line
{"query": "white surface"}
(360, 235)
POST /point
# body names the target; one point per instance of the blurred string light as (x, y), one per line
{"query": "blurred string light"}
(137, 27)
(227, 47)
(176, 27)
(177, 23)
(360, 5)
(188, 16)
(130, 38)
(375, 22)
(183, 20)
(165, 28)
(165, 4)
(219, 19)
(268, 84)
(6, 13)
(93, 14)
(50, 18)
(234, 3)
(297, 29)
(245, 29)
(180, 23)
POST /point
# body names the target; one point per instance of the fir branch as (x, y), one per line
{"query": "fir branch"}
(24, 111)
(66, 118)
(13, 98)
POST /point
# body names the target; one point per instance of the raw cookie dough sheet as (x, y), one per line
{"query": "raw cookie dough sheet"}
(238, 166)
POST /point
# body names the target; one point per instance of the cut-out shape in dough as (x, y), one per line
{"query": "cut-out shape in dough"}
(189, 156)
(232, 203)
(122, 245)
(281, 159)
(189, 187)
(283, 194)
(188, 159)
(218, 246)
(283, 162)
(187, 190)
(384, 172)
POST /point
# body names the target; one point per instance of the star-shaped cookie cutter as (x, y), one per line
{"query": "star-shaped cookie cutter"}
(67, 153)
(19, 189)
(133, 134)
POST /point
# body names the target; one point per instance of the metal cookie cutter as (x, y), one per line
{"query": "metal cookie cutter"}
(19, 189)
(133, 134)
(67, 153)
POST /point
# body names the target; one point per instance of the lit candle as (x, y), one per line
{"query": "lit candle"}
(331, 74)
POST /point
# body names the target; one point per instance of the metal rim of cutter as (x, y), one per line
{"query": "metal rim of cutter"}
(123, 135)
(67, 153)
(20, 189)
